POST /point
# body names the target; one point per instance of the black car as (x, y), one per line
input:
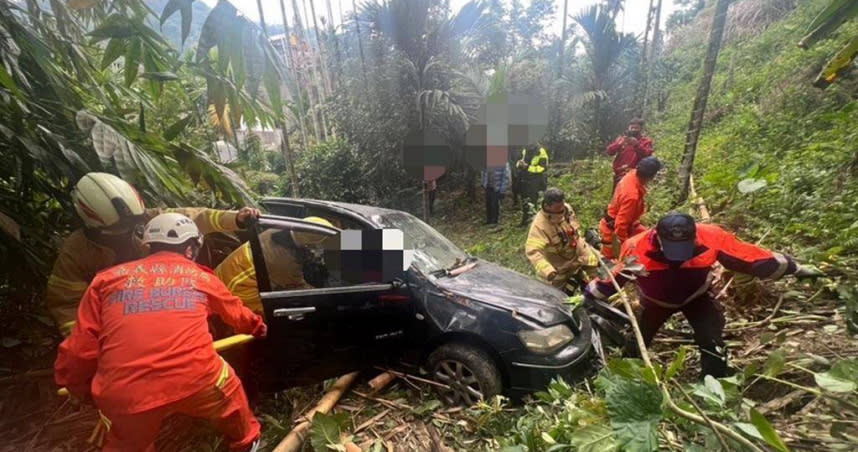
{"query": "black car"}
(478, 328)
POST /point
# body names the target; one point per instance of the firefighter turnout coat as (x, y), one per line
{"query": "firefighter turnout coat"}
(558, 247)
(622, 217)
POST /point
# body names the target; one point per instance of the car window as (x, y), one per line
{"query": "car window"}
(432, 251)
(296, 259)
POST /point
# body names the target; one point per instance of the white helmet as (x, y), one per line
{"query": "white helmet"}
(171, 229)
(104, 201)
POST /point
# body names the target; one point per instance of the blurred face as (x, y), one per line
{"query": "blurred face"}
(635, 129)
(555, 208)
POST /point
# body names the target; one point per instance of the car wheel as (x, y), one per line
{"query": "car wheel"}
(469, 373)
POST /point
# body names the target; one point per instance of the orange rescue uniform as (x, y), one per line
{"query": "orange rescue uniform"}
(142, 348)
(622, 218)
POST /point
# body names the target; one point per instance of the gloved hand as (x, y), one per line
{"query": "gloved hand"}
(261, 329)
(245, 214)
(808, 271)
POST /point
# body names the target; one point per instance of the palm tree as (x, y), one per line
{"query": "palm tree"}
(604, 47)
(693, 133)
(431, 44)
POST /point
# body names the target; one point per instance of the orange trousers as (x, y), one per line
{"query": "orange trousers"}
(610, 242)
(224, 404)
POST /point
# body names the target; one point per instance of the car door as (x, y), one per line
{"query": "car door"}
(320, 333)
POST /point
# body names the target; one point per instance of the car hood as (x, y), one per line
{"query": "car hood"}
(509, 290)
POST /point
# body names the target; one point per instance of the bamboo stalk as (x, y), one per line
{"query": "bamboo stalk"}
(292, 442)
(381, 380)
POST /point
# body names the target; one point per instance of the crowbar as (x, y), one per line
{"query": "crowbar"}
(220, 345)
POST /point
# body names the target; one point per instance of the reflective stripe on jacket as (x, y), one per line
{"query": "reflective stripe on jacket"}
(237, 271)
(80, 259)
(668, 284)
(549, 246)
(538, 163)
(142, 340)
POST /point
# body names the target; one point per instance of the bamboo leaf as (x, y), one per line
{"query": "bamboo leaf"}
(185, 7)
(132, 61)
(177, 127)
(115, 48)
(677, 364)
(767, 431)
(160, 76)
(82, 4)
(841, 62)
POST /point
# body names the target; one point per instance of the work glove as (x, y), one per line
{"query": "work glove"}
(808, 271)
(244, 215)
(261, 329)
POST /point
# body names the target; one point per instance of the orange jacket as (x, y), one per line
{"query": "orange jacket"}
(672, 284)
(628, 205)
(142, 340)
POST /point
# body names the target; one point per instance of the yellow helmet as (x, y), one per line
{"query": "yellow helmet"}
(311, 238)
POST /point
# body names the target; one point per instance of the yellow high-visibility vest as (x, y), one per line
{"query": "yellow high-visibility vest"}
(533, 166)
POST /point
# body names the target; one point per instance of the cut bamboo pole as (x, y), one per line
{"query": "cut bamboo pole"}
(698, 201)
(381, 380)
(292, 442)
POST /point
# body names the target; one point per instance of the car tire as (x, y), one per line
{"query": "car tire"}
(469, 372)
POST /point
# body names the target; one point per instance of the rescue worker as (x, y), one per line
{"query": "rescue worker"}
(286, 255)
(622, 217)
(629, 149)
(113, 215)
(495, 182)
(141, 346)
(557, 251)
(533, 164)
(677, 258)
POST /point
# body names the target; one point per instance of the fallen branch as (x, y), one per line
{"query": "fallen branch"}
(716, 426)
(292, 442)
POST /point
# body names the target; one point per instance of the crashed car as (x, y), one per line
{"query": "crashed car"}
(475, 327)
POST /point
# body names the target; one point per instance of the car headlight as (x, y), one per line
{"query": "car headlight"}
(546, 340)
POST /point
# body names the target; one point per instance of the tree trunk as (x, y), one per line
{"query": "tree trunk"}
(360, 47)
(696, 122)
(655, 51)
(285, 149)
(323, 60)
(643, 73)
(317, 81)
(333, 34)
(291, 63)
(301, 33)
(562, 53)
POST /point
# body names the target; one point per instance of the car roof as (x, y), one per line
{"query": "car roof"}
(367, 213)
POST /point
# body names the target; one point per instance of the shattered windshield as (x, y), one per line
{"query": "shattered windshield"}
(432, 251)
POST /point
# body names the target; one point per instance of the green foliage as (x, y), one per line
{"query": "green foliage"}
(336, 171)
(326, 431)
(842, 377)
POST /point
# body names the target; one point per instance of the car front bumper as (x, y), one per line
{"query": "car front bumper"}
(529, 372)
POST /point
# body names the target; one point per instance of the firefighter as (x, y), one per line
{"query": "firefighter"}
(141, 347)
(532, 166)
(557, 251)
(629, 149)
(622, 217)
(677, 258)
(287, 255)
(113, 215)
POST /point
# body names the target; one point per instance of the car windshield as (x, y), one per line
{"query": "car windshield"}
(432, 251)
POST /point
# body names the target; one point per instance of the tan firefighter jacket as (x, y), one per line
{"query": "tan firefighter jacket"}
(558, 247)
